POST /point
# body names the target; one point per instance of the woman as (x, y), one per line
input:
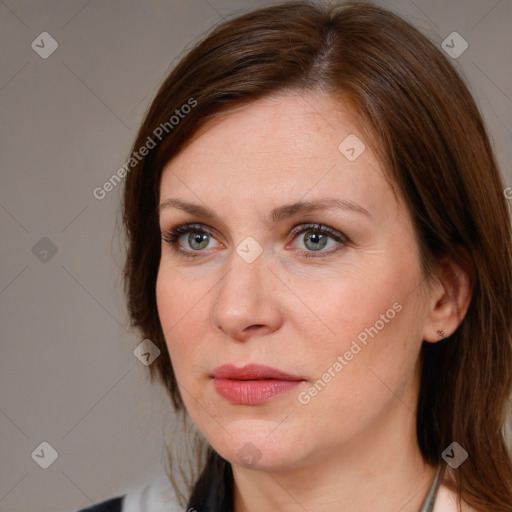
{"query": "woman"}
(320, 247)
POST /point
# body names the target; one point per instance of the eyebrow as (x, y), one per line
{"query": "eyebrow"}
(278, 214)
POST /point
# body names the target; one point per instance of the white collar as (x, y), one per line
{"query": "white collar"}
(154, 495)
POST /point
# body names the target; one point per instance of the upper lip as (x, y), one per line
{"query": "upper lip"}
(251, 372)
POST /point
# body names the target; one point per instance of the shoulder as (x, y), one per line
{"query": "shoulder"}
(446, 501)
(155, 494)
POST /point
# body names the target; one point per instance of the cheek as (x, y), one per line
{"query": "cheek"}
(351, 302)
(179, 308)
(370, 317)
(167, 305)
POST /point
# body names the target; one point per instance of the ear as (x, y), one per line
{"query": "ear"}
(450, 296)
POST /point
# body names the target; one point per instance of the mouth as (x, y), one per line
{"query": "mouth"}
(252, 384)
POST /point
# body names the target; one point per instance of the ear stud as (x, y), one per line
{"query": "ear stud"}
(441, 334)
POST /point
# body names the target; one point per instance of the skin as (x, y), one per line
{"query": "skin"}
(353, 445)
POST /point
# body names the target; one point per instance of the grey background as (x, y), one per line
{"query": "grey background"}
(68, 375)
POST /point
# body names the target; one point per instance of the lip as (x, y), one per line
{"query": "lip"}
(252, 384)
(252, 372)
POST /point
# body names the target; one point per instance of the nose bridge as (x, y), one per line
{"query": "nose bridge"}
(244, 296)
(241, 285)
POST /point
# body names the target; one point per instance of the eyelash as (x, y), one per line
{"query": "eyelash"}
(171, 237)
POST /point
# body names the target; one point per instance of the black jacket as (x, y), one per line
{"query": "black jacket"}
(112, 505)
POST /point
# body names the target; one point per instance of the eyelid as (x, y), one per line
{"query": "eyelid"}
(315, 226)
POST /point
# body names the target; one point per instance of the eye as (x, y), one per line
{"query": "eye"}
(190, 240)
(198, 238)
(316, 237)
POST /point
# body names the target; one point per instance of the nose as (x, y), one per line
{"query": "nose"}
(246, 304)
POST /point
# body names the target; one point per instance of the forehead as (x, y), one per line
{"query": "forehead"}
(292, 144)
(288, 126)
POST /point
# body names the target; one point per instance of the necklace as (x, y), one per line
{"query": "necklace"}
(428, 502)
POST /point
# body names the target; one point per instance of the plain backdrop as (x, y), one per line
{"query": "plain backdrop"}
(68, 375)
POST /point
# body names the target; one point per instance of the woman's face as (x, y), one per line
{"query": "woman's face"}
(340, 308)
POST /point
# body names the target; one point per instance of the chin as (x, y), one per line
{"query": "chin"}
(258, 458)
(255, 444)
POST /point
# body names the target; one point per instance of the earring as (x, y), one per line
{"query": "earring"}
(441, 334)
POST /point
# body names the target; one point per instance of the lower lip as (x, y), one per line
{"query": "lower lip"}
(252, 392)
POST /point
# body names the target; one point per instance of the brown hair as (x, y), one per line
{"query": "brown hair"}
(422, 122)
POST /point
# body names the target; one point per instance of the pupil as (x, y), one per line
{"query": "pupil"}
(318, 240)
(198, 238)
